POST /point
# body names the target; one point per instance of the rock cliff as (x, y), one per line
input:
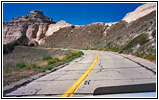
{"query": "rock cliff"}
(35, 26)
(135, 33)
(140, 12)
(136, 36)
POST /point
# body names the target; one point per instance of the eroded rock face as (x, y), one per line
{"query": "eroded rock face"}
(38, 27)
(140, 12)
(12, 33)
(34, 25)
(55, 27)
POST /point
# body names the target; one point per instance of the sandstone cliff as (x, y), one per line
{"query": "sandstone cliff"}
(35, 25)
(140, 12)
(135, 33)
(136, 36)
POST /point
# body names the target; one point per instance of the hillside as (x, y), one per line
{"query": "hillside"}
(134, 34)
(137, 37)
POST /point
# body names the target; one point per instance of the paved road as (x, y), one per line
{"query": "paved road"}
(111, 70)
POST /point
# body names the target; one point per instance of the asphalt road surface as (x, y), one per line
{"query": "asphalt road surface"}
(94, 69)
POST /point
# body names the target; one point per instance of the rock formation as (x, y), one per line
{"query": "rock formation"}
(55, 27)
(136, 35)
(136, 32)
(140, 12)
(35, 25)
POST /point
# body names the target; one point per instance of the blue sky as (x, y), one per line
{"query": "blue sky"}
(73, 13)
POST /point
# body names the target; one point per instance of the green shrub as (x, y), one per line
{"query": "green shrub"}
(7, 48)
(56, 59)
(52, 61)
(72, 55)
(150, 57)
(34, 66)
(130, 50)
(73, 26)
(19, 66)
(48, 67)
(5, 82)
(47, 58)
(6, 69)
(141, 39)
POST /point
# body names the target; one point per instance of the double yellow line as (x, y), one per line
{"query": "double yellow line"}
(76, 85)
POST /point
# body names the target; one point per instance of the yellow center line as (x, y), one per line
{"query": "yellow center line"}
(77, 84)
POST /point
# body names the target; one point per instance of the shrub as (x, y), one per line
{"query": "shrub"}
(56, 59)
(6, 69)
(34, 66)
(47, 58)
(19, 66)
(73, 26)
(151, 57)
(141, 39)
(130, 50)
(7, 48)
(48, 67)
(52, 61)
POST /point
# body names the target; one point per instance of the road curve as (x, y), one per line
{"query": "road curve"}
(111, 69)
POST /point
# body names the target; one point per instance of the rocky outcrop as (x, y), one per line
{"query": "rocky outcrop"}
(34, 25)
(140, 12)
(55, 27)
(41, 30)
(13, 32)
(136, 36)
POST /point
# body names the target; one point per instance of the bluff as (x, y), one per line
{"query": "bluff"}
(135, 33)
(35, 26)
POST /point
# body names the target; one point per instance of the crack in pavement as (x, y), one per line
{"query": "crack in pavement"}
(101, 68)
(140, 65)
(73, 70)
(57, 80)
(37, 90)
(87, 82)
(123, 79)
(57, 94)
(137, 63)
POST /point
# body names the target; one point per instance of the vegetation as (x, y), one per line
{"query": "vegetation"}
(18, 67)
(48, 67)
(47, 58)
(73, 26)
(142, 51)
(8, 48)
(22, 68)
(141, 39)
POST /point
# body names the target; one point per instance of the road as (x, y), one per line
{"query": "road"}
(110, 69)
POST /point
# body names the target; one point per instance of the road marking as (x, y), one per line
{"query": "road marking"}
(77, 84)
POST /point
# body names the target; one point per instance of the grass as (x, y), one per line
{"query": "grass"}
(47, 58)
(17, 67)
(59, 60)
(141, 39)
(23, 68)
(151, 57)
(48, 67)
(106, 48)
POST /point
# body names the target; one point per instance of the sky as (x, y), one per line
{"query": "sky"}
(73, 13)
